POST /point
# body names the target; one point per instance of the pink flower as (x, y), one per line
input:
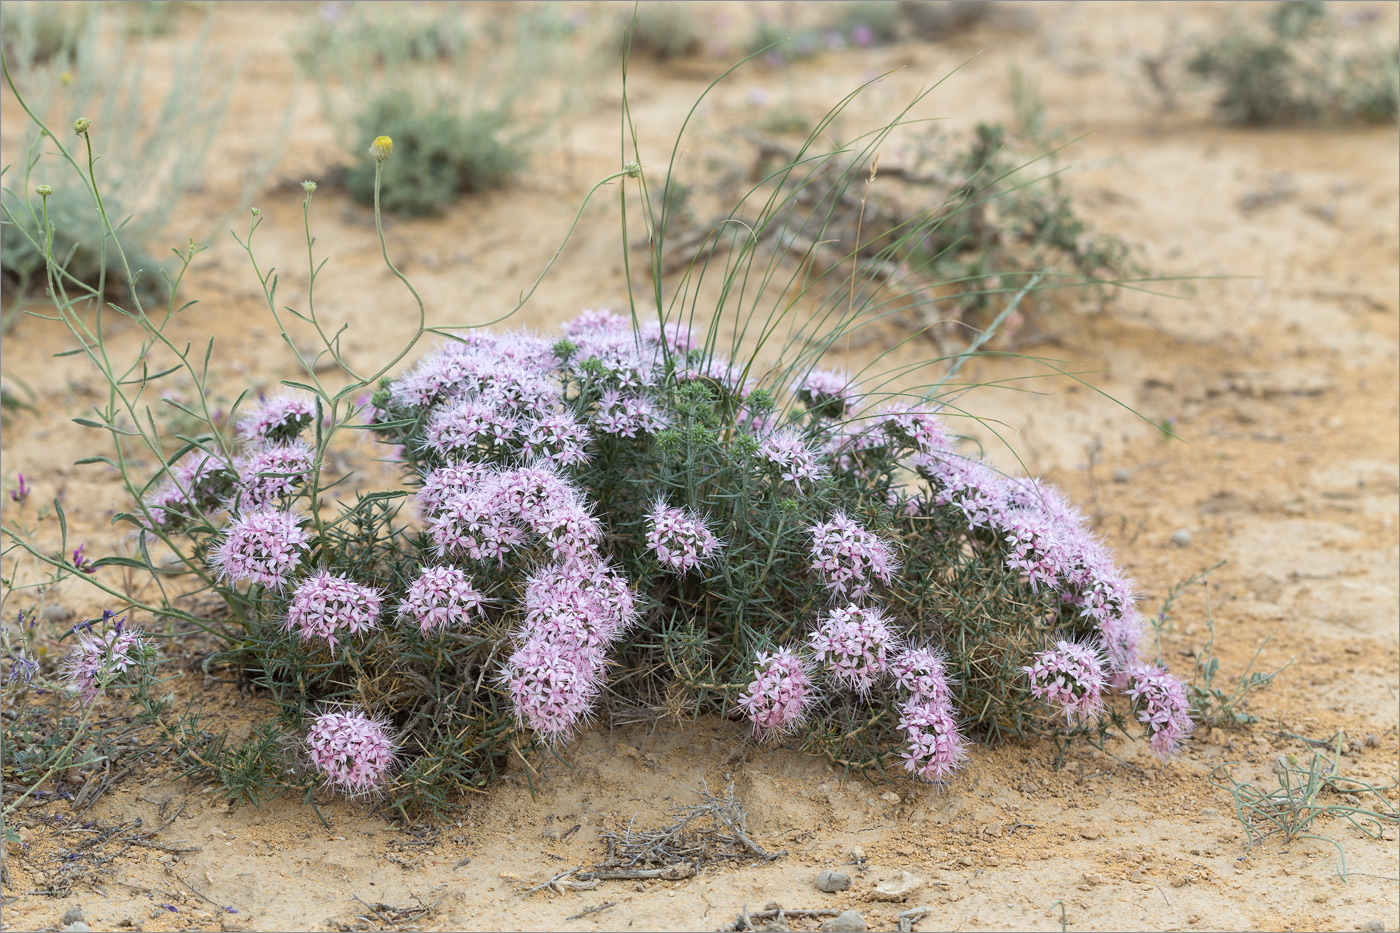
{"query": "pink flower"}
(272, 474)
(830, 394)
(935, 748)
(847, 557)
(924, 673)
(628, 416)
(1069, 677)
(557, 437)
(795, 460)
(855, 643)
(1159, 700)
(442, 483)
(680, 539)
(264, 547)
(780, 694)
(352, 751)
(478, 524)
(99, 656)
(473, 422)
(439, 598)
(277, 419)
(327, 605)
(551, 687)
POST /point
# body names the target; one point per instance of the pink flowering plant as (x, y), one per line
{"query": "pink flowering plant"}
(635, 510)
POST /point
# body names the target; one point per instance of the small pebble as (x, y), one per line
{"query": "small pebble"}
(832, 881)
(1372, 926)
(849, 921)
(1181, 538)
(77, 926)
(74, 914)
(1121, 475)
(56, 613)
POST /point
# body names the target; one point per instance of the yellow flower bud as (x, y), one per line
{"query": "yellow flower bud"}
(80, 126)
(381, 148)
(43, 191)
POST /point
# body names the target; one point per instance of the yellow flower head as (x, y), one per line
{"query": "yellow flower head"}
(381, 148)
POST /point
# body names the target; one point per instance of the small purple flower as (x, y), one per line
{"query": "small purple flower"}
(1069, 677)
(352, 751)
(680, 539)
(478, 523)
(780, 694)
(272, 474)
(677, 336)
(22, 669)
(917, 426)
(924, 673)
(264, 547)
(1159, 700)
(82, 563)
(327, 605)
(855, 643)
(795, 459)
(935, 748)
(847, 557)
(439, 598)
(20, 492)
(277, 419)
(100, 655)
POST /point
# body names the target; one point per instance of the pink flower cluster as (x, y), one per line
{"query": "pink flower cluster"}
(494, 512)
(1070, 678)
(780, 694)
(795, 459)
(849, 558)
(935, 746)
(272, 473)
(1160, 701)
(855, 644)
(264, 547)
(628, 415)
(557, 437)
(680, 539)
(573, 612)
(440, 598)
(923, 672)
(99, 656)
(330, 606)
(277, 419)
(352, 751)
(832, 393)
(199, 481)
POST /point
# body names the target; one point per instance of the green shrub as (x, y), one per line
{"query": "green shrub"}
(461, 90)
(1298, 72)
(663, 30)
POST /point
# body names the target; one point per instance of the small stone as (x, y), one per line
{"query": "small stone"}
(1121, 475)
(1095, 878)
(1091, 831)
(898, 888)
(849, 921)
(56, 613)
(76, 927)
(73, 914)
(858, 854)
(830, 882)
(965, 861)
(1181, 538)
(1373, 926)
(890, 796)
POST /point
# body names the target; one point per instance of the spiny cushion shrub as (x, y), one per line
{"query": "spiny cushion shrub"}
(621, 510)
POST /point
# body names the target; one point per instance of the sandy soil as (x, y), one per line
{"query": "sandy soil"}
(1281, 376)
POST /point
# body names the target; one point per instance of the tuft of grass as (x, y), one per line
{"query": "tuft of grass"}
(1298, 71)
(1310, 796)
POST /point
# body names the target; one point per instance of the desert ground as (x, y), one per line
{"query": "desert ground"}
(1277, 369)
